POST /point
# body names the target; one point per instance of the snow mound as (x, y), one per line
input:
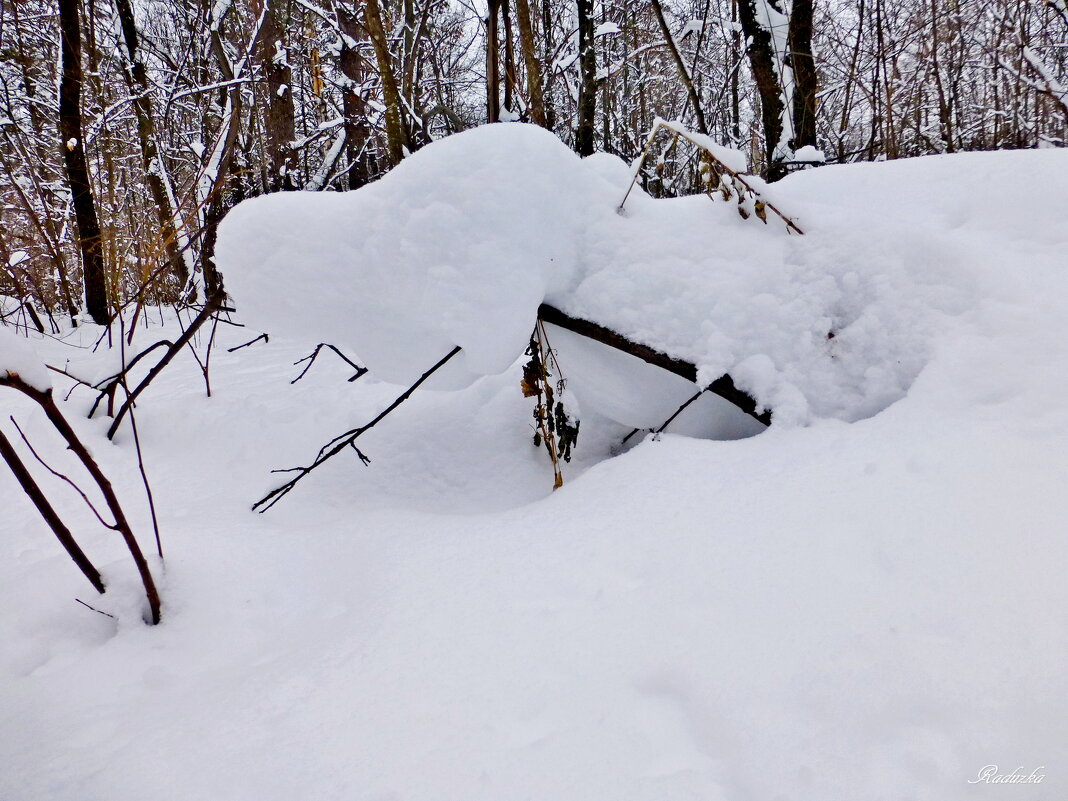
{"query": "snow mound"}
(456, 246)
(461, 243)
(19, 359)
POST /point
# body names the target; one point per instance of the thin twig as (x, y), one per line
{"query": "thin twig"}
(99, 612)
(310, 359)
(61, 477)
(209, 309)
(343, 441)
(51, 517)
(264, 337)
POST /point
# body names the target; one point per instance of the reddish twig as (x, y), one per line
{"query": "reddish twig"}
(45, 400)
(66, 539)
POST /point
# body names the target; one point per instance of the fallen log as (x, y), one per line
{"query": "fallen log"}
(723, 386)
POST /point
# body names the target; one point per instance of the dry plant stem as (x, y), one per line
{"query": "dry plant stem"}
(214, 302)
(66, 539)
(547, 435)
(93, 608)
(144, 478)
(343, 441)
(678, 130)
(48, 404)
(205, 365)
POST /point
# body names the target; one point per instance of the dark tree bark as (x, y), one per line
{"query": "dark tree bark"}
(805, 77)
(73, 146)
(279, 120)
(363, 166)
(493, 62)
(535, 92)
(396, 129)
(509, 58)
(774, 104)
(762, 64)
(547, 58)
(587, 96)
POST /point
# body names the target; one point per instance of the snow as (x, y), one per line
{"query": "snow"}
(867, 606)
(810, 153)
(731, 158)
(462, 243)
(452, 248)
(18, 359)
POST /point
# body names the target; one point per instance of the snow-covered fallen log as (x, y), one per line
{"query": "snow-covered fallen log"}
(723, 386)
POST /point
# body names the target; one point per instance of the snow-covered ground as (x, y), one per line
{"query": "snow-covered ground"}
(866, 601)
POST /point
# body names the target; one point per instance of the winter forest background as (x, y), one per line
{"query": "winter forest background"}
(141, 123)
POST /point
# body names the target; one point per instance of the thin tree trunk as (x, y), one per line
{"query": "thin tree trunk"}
(362, 166)
(73, 146)
(587, 96)
(279, 119)
(547, 42)
(762, 64)
(799, 43)
(151, 161)
(493, 68)
(509, 58)
(396, 139)
(684, 74)
(535, 93)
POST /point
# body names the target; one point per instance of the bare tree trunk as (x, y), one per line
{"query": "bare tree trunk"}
(151, 161)
(396, 138)
(684, 74)
(547, 42)
(73, 146)
(799, 43)
(776, 99)
(535, 93)
(762, 64)
(279, 119)
(216, 204)
(587, 96)
(509, 58)
(493, 68)
(358, 135)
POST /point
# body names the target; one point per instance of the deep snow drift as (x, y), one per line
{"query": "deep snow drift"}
(835, 610)
(460, 244)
